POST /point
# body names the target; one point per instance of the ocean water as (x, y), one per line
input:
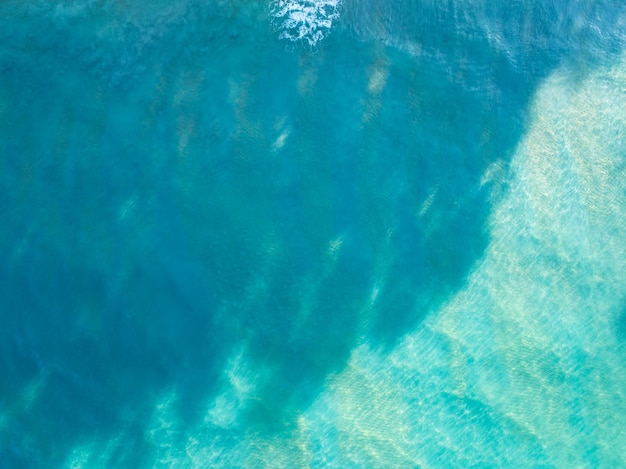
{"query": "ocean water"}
(312, 233)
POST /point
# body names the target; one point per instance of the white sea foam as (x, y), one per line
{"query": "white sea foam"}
(307, 21)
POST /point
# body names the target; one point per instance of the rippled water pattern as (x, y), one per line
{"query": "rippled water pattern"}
(312, 233)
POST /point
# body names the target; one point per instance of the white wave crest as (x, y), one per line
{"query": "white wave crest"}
(309, 21)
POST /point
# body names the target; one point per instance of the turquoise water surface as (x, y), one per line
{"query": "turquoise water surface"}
(312, 233)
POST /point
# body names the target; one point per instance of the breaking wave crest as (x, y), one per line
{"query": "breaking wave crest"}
(307, 21)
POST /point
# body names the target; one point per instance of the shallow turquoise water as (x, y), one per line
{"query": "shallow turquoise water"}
(395, 241)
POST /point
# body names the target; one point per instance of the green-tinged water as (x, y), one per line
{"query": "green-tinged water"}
(312, 234)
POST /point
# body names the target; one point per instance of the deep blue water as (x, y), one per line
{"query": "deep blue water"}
(394, 238)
